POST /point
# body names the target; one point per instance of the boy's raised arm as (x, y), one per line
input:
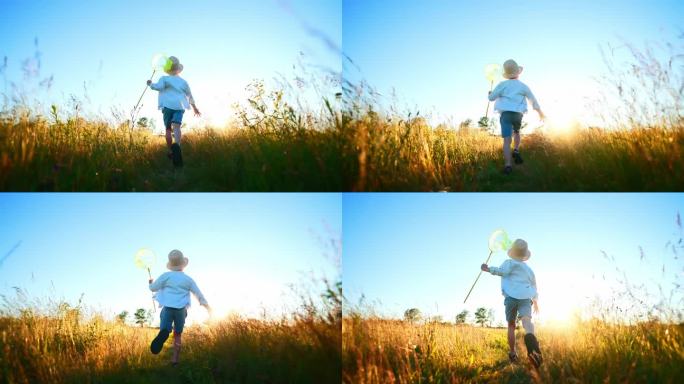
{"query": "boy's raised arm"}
(503, 270)
(158, 284)
(495, 93)
(158, 86)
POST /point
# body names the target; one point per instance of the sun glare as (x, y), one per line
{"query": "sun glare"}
(560, 301)
(568, 109)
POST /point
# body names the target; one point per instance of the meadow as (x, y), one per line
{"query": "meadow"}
(276, 151)
(379, 350)
(350, 139)
(410, 155)
(343, 152)
(636, 144)
(61, 343)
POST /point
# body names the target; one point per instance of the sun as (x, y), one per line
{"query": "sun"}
(560, 303)
(566, 106)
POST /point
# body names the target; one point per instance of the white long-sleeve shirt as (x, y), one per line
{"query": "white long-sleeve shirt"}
(512, 95)
(517, 279)
(173, 290)
(174, 93)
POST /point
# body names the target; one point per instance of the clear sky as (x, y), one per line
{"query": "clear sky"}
(109, 45)
(244, 249)
(424, 250)
(433, 52)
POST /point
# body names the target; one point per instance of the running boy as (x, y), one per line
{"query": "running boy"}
(174, 98)
(173, 295)
(519, 287)
(510, 96)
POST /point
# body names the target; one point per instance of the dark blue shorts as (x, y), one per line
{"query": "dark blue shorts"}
(517, 307)
(173, 317)
(510, 121)
(172, 116)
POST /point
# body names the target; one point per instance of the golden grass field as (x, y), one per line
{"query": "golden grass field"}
(80, 155)
(340, 153)
(392, 351)
(56, 342)
(54, 350)
(410, 155)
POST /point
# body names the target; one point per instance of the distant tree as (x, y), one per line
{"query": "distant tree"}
(122, 317)
(465, 124)
(140, 316)
(462, 317)
(481, 316)
(437, 319)
(412, 315)
(490, 317)
(143, 122)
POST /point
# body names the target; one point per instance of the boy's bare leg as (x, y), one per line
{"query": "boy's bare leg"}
(511, 336)
(176, 132)
(527, 324)
(169, 139)
(176, 347)
(507, 150)
(516, 140)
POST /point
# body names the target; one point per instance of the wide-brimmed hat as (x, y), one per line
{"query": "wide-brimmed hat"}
(511, 69)
(175, 65)
(519, 250)
(176, 261)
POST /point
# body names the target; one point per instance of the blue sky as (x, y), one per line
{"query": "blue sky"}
(244, 249)
(425, 250)
(223, 45)
(434, 52)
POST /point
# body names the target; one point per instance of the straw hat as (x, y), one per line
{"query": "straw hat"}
(519, 250)
(511, 69)
(175, 67)
(176, 261)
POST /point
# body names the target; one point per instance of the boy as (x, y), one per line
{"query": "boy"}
(174, 296)
(174, 98)
(510, 96)
(519, 287)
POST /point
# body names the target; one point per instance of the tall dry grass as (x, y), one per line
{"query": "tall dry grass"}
(392, 351)
(271, 147)
(410, 155)
(37, 349)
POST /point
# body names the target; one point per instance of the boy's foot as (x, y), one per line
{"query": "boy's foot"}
(508, 169)
(177, 155)
(533, 351)
(513, 357)
(535, 359)
(516, 156)
(158, 341)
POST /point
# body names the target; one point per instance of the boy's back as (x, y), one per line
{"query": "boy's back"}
(174, 290)
(510, 95)
(517, 279)
(174, 93)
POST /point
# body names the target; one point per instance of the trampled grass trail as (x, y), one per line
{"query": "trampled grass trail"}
(391, 351)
